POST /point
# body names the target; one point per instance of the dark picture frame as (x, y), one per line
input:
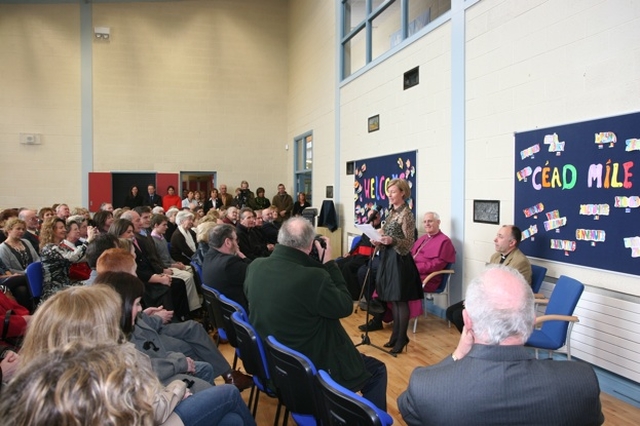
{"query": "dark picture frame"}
(486, 211)
(374, 123)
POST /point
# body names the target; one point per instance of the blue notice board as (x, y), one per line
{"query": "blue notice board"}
(577, 193)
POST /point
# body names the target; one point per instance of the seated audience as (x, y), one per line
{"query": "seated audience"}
(16, 253)
(106, 207)
(202, 237)
(508, 254)
(62, 211)
(56, 389)
(95, 248)
(178, 269)
(103, 220)
(174, 349)
(231, 216)
(13, 317)
(32, 225)
(183, 241)
(250, 238)
(160, 288)
(269, 227)
(491, 379)
(57, 257)
(5, 215)
(171, 225)
(225, 266)
(45, 214)
(92, 315)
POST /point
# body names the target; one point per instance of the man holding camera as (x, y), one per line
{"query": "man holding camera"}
(300, 301)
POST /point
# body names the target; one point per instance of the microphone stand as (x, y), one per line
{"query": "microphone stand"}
(367, 283)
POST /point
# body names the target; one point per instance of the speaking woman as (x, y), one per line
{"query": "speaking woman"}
(398, 280)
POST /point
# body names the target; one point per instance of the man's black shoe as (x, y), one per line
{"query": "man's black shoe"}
(372, 325)
(374, 306)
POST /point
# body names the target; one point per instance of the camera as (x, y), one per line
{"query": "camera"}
(314, 251)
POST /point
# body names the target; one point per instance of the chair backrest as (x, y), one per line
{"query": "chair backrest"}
(340, 406)
(445, 280)
(35, 278)
(563, 301)
(294, 377)
(537, 277)
(227, 308)
(251, 350)
(355, 242)
(211, 298)
(198, 270)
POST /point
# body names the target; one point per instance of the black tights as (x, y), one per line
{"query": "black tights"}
(400, 321)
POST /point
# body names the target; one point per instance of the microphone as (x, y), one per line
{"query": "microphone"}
(375, 212)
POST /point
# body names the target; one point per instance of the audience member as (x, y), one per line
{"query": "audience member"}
(16, 251)
(491, 379)
(189, 202)
(152, 199)
(179, 269)
(261, 202)
(284, 203)
(214, 201)
(95, 248)
(231, 216)
(9, 361)
(32, 224)
(226, 198)
(57, 258)
(508, 254)
(269, 227)
(225, 266)
(250, 238)
(62, 211)
(171, 199)
(302, 305)
(45, 213)
(92, 315)
(82, 384)
(300, 204)
(103, 220)
(171, 225)
(183, 241)
(106, 207)
(160, 287)
(202, 237)
(173, 348)
(134, 199)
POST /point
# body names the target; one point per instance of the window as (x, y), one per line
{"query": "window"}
(372, 27)
(303, 152)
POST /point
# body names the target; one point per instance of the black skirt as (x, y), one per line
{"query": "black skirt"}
(398, 279)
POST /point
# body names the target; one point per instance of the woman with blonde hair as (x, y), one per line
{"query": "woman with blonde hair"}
(92, 315)
(398, 279)
(56, 389)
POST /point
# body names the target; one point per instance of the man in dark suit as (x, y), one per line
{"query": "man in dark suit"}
(491, 378)
(152, 199)
(224, 265)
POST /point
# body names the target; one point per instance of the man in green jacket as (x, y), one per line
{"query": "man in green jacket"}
(300, 301)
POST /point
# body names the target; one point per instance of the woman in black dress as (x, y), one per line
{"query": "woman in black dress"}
(398, 279)
(134, 199)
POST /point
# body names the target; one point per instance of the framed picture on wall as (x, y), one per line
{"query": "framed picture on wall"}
(486, 211)
(374, 123)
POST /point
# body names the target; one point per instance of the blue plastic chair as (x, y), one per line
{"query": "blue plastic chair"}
(254, 360)
(198, 270)
(557, 321)
(537, 277)
(340, 406)
(294, 377)
(443, 289)
(35, 278)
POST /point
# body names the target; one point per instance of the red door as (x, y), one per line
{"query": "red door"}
(99, 190)
(163, 180)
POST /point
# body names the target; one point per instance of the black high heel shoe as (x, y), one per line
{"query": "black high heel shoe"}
(399, 346)
(391, 343)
